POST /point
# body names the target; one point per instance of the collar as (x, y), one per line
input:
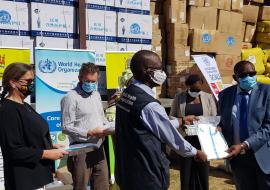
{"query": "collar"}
(240, 90)
(144, 87)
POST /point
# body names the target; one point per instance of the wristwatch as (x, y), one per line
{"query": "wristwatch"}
(244, 148)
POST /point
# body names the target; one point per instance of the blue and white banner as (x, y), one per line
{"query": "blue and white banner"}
(56, 74)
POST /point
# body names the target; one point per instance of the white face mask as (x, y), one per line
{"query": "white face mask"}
(159, 77)
(194, 94)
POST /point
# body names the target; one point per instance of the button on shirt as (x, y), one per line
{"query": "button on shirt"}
(82, 112)
(236, 115)
(156, 120)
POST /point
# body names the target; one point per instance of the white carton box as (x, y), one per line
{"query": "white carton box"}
(135, 27)
(63, 43)
(133, 47)
(101, 2)
(18, 42)
(103, 24)
(100, 48)
(14, 17)
(53, 20)
(133, 4)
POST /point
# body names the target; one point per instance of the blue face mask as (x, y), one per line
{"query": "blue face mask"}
(89, 87)
(247, 83)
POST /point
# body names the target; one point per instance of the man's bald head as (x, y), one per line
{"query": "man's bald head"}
(141, 62)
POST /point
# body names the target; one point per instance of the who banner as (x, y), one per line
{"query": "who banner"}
(11, 55)
(209, 69)
(56, 74)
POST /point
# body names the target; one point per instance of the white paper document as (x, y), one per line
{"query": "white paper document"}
(212, 142)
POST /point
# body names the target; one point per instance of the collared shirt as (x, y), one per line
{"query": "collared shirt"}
(156, 120)
(82, 112)
(236, 114)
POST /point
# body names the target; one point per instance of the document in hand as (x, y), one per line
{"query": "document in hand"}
(212, 142)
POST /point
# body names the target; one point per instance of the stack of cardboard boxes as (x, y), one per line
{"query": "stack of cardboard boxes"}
(211, 27)
(158, 33)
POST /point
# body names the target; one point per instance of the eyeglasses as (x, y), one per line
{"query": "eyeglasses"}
(29, 81)
(243, 75)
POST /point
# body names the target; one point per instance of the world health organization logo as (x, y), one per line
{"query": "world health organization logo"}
(47, 66)
(5, 17)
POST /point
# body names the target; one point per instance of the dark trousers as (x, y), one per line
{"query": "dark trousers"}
(89, 166)
(247, 173)
(194, 175)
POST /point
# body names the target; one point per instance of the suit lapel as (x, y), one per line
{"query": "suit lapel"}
(253, 100)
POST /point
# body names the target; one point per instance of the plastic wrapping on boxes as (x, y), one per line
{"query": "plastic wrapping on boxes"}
(263, 37)
(255, 56)
(263, 79)
(263, 26)
(267, 68)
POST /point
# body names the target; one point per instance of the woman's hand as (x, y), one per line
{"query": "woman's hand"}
(188, 120)
(54, 154)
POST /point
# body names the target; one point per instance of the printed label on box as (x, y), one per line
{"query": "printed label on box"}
(230, 41)
(252, 59)
(206, 38)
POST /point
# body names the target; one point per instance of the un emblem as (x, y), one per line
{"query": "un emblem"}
(47, 66)
(135, 28)
(5, 17)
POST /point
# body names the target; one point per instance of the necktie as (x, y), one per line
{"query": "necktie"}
(243, 126)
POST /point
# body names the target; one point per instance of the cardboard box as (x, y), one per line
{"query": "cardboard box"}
(230, 22)
(101, 47)
(228, 44)
(176, 67)
(133, 4)
(157, 22)
(156, 8)
(243, 30)
(198, 3)
(101, 2)
(264, 13)
(249, 33)
(226, 63)
(250, 13)
(177, 34)
(203, 40)
(211, 3)
(202, 18)
(227, 79)
(224, 5)
(258, 1)
(237, 5)
(175, 11)
(134, 26)
(180, 53)
(156, 40)
(100, 26)
(246, 45)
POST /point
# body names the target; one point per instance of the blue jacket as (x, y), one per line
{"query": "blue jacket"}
(258, 121)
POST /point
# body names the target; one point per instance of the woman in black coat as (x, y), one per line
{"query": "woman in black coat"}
(25, 140)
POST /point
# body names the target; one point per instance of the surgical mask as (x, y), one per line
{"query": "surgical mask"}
(194, 94)
(89, 87)
(28, 89)
(158, 77)
(248, 82)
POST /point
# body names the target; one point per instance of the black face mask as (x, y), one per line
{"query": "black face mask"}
(26, 90)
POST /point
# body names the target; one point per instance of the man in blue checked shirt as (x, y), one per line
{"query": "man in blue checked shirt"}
(143, 128)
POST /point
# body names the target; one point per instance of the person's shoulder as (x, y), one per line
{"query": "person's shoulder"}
(264, 87)
(70, 96)
(228, 90)
(180, 94)
(7, 107)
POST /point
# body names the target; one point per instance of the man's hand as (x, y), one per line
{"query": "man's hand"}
(58, 146)
(233, 151)
(54, 154)
(96, 132)
(187, 120)
(201, 156)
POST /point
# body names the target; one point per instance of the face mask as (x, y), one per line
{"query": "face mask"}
(89, 87)
(247, 83)
(159, 77)
(194, 94)
(26, 90)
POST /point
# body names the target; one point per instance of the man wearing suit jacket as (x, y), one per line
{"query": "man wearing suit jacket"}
(245, 123)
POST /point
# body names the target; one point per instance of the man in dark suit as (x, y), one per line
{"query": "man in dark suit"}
(245, 122)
